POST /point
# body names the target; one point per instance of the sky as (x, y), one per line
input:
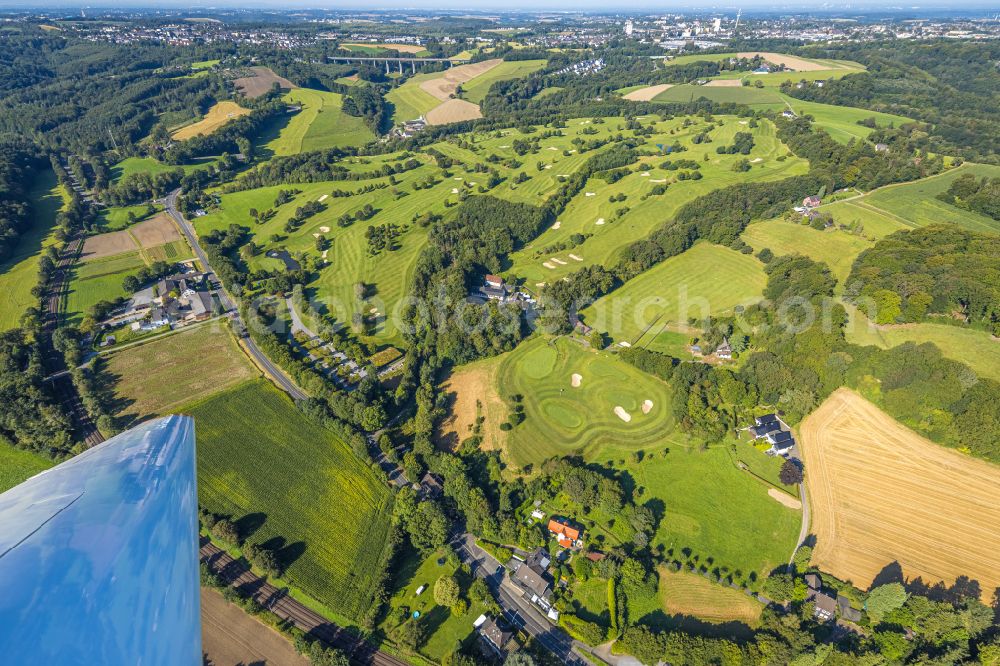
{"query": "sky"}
(602, 6)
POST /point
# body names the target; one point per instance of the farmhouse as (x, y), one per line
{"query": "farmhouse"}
(494, 289)
(825, 605)
(811, 201)
(724, 351)
(431, 486)
(846, 610)
(567, 535)
(493, 635)
(532, 580)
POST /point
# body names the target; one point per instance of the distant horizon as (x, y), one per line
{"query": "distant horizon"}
(752, 7)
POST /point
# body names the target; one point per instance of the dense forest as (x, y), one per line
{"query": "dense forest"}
(939, 270)
(954, 86)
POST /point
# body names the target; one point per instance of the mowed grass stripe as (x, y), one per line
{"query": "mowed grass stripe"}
(705, 280)
(19, 273)
(261, 461)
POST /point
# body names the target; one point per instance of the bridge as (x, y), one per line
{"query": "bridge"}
(413, 62)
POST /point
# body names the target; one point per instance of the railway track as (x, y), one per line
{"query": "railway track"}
(314, 625)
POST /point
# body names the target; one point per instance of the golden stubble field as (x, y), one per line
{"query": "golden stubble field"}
(880, 494)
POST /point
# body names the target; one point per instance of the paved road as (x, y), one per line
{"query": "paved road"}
(170, 203)
(235, 574)
(517, 610)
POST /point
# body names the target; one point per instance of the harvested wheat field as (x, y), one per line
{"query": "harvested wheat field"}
(261, 81)
(724, 83)
(791, 62)
(157, 230)
(648, 93)
(402, 48)
(472, 393)
(217, 116)
(107, 245)
(445, 85)
(453, 111)
(881, 493)
(688, 594)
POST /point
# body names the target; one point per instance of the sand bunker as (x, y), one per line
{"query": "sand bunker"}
(557, 224)
(657, 180)
(756, 159)
(647, 405)
(454, 190)
(648, 93)
(574, 257)
(575, 380)
(324, 253)
(324, 198)
(325, 230)
(558, 261)
(548, 265)
(591, 194)
(784, 498)
(600, 221)
(622, 414)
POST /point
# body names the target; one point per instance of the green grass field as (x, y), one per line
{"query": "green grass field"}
(319, 125)
(716, 510)
(131, 165)
(841, 122)
(476, 89)
(17, 465)
(444, 628)
(563, 420)
(975, 348)
(19, 273)
(707, 279)
(913, 205)
(687, 92)
(410, 101)
(115, 218)
(98, 280)
(591, 212)
(294, 486)
(837, 249)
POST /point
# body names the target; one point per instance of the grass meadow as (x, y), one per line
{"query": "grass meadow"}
(912, 205)
(705, 280)
(319, 125)
(19, 273)
(410, 101)
(97, 280)
(295, 487)
(563, 420)
(444, 629)
(476, 89)
(715, 509)
(594, 216)
(837, 249)
(975, 348)
(131, 165)
(17, 465)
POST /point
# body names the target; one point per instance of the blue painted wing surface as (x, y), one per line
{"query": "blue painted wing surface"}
(99, 555)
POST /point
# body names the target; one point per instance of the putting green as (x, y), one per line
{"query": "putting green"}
(563, 420)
